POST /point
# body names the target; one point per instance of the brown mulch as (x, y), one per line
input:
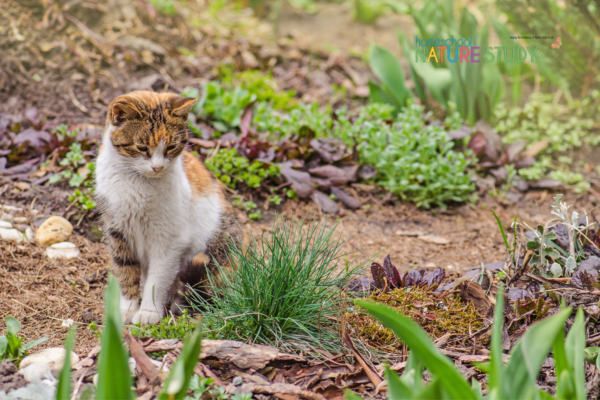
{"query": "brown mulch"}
(41, 293)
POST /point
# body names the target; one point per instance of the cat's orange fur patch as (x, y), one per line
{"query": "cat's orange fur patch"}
(198, 175)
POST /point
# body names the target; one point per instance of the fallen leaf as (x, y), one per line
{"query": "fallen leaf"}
(349, 201)
(327, 205)
(301, 181)
(336, 175)
(535, 149)
(433, 239)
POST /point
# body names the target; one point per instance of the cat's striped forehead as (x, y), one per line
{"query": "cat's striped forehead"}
(148, 119)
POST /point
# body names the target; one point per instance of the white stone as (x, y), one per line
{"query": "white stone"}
(36, 371)
(132, 365)
(63, 250)
(7, 217)
(11, 234)
(21, 220)
(5, 225)
(11, 209)
(54, 357)
(29, 235)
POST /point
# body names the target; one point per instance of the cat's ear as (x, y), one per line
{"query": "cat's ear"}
(181, 106)
(123, 108)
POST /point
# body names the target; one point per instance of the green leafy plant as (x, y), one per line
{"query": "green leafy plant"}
(83, 199)
(261, 85)
(74, 161)
(12, 347)
(199, 386)
(517, 379)
(416, 161)
(553, 128)
(232, 169)
(392, 88)
(285, 290)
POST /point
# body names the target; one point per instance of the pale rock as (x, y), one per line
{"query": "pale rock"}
(21, 220)
(7, 217)
(29, 235)
(53, 230)
(36, 371)
(63, 250)
(132, 365)
(5, 225)
(11, 234)
(11, 209)
(53, 357)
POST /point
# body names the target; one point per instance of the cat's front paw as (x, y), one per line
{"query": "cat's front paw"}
(146, 317)
(128, 309)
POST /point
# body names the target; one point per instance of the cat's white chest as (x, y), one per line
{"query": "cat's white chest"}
(156, 216)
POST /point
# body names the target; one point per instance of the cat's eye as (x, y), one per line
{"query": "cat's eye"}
(142, 148)
(171, 147)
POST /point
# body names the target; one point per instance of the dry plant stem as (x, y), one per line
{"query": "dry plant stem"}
(373, 376)
(143, 361)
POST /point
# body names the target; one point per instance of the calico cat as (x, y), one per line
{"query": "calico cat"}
(164, 213)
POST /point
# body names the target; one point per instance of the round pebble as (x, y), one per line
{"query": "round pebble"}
(7, 217)
(5, 225)
(63, 250)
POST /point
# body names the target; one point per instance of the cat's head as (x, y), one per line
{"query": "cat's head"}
(150, 129)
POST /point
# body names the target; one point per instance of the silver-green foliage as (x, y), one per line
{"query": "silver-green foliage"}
(516, 380)
(414, 160)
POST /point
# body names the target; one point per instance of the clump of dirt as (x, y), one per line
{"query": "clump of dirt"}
(9, 378)
(437, 314)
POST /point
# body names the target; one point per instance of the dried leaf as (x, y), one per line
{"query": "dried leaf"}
(301, 181)
(336, 176)
(327, 205)
(349, 201)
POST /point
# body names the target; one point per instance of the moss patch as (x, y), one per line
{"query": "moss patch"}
(437, 316)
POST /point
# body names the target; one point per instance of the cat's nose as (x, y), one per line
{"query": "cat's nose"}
(158, 169)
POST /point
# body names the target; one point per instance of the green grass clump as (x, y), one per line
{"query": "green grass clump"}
(232, 169)
(284, 291)
(170, 327)
(414, 160)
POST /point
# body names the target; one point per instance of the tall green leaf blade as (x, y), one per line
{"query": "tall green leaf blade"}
(526, 358)
(34, 343)
(63, 390)
(114, 377)
(177, 382)
(397, 389)
(496, 368)
(418, 342)
(388, 70)
(575, 352)
(3, 345)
